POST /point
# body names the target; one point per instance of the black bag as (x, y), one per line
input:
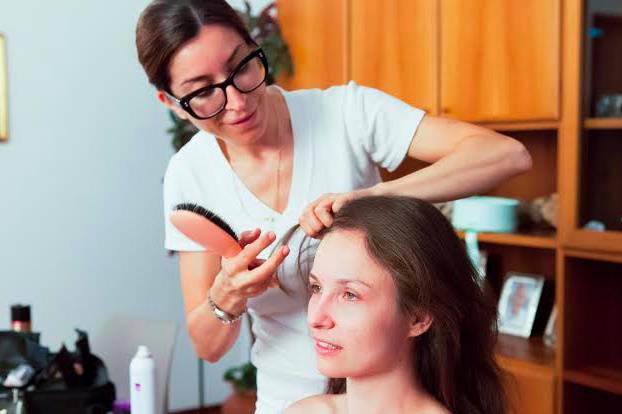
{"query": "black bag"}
(96, 399)
(65, 382)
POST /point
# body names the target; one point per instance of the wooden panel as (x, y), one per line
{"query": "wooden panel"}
(394, 47)
(579, 399)
(541, 240)
(520, 125)
(541, 180)
(592, 315)
(598, 377)
(560, 302)
(530, 388)
(604, 242)
(316, 32)
(606, 59)
(531, 350)
(503, 259)
(500, 59)
(603, 123)
(568, 154)
(601, 169)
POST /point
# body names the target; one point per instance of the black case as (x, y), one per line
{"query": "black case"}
(92, 400)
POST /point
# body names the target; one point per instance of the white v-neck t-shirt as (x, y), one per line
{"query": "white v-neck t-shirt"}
(341, 135)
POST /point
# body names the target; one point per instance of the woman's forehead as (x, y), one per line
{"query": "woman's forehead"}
(342, 254)
(208, 53)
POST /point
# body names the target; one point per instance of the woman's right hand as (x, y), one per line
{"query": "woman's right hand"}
(244, 276)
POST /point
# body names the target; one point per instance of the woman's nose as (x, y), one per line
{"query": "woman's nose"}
(319, 314)
(236, 100)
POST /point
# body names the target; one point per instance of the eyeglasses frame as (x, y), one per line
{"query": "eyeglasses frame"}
(184, 101)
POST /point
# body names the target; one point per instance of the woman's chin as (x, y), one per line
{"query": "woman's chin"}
(332, 370)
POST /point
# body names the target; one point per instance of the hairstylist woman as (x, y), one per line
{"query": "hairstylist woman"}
(269, 158)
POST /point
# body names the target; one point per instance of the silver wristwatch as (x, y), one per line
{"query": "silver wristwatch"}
(223, 316)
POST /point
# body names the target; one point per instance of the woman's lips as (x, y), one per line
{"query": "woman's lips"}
(324, 348)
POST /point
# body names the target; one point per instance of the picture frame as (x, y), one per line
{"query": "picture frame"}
(518, 303)
(4, 92)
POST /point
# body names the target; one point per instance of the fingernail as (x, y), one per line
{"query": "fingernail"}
(285, 250)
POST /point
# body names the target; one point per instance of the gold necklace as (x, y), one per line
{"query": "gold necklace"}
(270, 219)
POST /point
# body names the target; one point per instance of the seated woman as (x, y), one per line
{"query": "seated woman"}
(398, 320)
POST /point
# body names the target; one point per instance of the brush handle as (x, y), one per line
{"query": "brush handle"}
(204, 232)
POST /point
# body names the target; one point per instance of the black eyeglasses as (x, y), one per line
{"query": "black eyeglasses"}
(209, 101)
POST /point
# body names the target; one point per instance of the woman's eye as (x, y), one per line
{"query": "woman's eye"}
(350, 296)
(314, 288)
(206, 93)
(244, 68)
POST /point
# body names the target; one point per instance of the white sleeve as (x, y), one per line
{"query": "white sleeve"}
(382, 124)
(174, 195)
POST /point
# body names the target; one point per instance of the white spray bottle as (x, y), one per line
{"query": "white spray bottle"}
(142, 382)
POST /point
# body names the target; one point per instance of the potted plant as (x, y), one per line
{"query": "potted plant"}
(243, 379)
(266, 32)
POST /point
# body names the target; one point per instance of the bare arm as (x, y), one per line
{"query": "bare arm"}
(230, 282)
(465, 159)
(210, 337)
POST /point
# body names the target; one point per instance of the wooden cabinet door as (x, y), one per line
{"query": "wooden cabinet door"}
(316, 32)
(530, 388)
(394, 47)
(500, 59)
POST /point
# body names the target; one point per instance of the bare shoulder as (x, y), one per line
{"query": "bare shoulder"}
(317, 404)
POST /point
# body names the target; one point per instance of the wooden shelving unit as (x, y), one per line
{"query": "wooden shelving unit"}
(601, 378)
(575, 154)
(541, 240)
(521, 126)
(528, 350)
(603, 123)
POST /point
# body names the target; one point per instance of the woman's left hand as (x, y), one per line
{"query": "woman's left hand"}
(319, 214)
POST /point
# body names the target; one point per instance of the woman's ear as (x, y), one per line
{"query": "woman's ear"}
(163, 97)
(420, 325)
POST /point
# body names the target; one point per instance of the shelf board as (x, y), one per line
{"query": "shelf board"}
(520, 125)
(538, 240)
(605, 379)
(599, 256)
(603, 123)
(527, 350)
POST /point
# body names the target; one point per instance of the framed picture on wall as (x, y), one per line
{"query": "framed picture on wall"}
(4, 92)
(518, 303)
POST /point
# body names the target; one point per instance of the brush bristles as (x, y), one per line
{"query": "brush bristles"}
(211, 216)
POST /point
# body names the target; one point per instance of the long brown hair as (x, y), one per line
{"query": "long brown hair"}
(166, 25)
(454, 360)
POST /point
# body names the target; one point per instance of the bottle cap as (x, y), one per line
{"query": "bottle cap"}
(143, 352)
(20, 313)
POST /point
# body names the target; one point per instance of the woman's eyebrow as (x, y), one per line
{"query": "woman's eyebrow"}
(342, 281)
(209, 78)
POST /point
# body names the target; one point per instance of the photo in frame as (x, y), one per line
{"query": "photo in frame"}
(518, 303)
(4, 92)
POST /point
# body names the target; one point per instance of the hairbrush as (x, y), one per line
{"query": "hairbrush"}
(205, 228)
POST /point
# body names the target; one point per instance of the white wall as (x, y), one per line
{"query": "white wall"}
(81, 234)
